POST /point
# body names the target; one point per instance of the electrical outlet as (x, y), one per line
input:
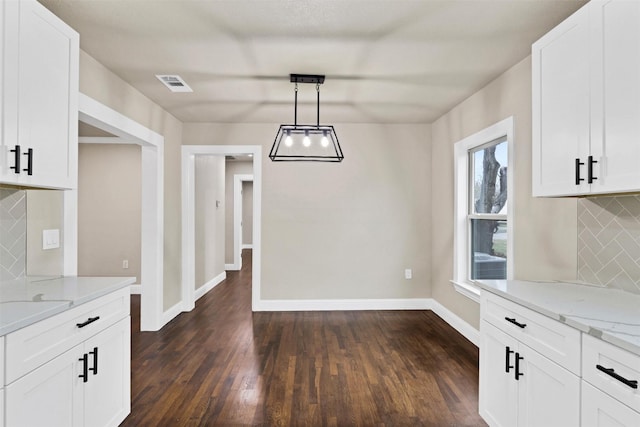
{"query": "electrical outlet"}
(125, 263)
(408, 274)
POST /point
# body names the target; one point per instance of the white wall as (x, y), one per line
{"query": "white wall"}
(545, 229)
(44, 212)
(209, 218)
(348, 230)
(109, 210)
(247, 213)
(101, 84)
(232, 168)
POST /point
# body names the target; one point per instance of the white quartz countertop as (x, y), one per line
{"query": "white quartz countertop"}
(29, 300)
(609, 314)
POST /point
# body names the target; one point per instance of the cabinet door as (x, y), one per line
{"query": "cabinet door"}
(601, 410)
(49, 396)
(41, 89)
(498, 388)
(108, 390)
(548, 395)
(615, 132)
(560, 67)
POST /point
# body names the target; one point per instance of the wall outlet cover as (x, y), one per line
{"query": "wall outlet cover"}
(50, 239)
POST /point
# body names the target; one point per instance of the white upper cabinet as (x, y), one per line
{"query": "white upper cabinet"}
(39, 146)
(586, 102)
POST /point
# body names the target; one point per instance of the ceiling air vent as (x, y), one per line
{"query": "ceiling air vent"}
(174, 83)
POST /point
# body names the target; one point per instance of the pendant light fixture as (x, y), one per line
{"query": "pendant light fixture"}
(310, 143)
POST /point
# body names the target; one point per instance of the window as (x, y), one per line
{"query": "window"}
(484, 202)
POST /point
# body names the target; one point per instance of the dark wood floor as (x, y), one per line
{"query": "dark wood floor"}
(221, 365)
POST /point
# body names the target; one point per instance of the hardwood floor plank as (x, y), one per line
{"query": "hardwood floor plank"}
(222, 365)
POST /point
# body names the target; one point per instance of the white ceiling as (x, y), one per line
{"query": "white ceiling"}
(393, 61)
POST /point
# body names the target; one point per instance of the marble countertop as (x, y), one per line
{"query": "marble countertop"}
(29, 300)
(609, 314)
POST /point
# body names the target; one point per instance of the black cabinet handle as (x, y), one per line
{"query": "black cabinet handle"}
(85, 365)
(16, 159)
(590, 177)
(508, 366)
(515, 322)
(612, 373)
(518, 373)
(578, 164)
(95, 361)
(29, 169)
(87, 322)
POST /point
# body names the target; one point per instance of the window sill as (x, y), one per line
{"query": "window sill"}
(467, 289)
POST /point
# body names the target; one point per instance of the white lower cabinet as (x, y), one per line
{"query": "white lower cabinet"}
(85, 386)
(601, 410)
(520, 387)
(49, 396)
(72, 369)
(107, 390)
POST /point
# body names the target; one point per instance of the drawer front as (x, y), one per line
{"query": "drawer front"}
(34, 345)
(556, 341)
(600, 410)
(612, 370)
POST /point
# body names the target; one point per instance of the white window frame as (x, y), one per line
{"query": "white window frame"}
(461, 229)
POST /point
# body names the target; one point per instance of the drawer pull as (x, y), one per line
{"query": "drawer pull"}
(508, 366)
(612, 373)
(515, 322)
(94, 352)
(85, 366)
(87, 322)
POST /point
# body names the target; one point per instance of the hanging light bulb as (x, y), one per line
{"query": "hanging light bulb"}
(288, 141)
(306, 141)
(324, 141)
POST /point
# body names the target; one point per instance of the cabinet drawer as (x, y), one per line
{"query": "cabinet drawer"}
(599, 409)
(625, 365)
(32, 346)
(556, 341)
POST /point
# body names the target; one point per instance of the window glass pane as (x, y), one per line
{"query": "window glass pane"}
(488, 249)
(488, 166)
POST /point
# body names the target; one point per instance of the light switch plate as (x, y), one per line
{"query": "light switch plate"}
(50, 239)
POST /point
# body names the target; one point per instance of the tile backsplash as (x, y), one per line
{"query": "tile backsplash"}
(13, 233)
(609, 241)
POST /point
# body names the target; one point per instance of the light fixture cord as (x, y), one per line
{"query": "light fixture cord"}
(318, 109)
(295, 108)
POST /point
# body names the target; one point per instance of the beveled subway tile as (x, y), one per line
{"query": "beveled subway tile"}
(609, 241)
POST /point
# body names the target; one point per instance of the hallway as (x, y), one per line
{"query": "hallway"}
(223, 365)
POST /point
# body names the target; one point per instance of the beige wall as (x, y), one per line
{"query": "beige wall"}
(109, 210)
(247, 213)
(342, 230)
(545, 229)
(104, 86)
(233, 168)
(209, 218)
(44, 212)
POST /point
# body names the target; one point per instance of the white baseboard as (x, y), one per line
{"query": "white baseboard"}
(231, 267)
(202, 290)
(247, 246)
(135, 289)
(171, 313)
(468, 331)
(343, 305)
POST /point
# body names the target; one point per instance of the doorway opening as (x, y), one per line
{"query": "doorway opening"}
(189, 153)
(127, 131)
